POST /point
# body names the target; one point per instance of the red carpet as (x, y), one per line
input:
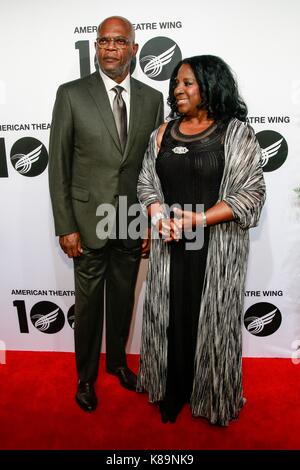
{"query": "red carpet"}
(38, 411)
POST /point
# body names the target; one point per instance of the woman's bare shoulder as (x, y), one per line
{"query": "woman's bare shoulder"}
(160, 134)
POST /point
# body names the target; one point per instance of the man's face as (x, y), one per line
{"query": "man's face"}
(115, 48)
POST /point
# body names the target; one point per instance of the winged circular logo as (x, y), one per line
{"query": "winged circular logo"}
(29, 156)
(257, 324)
(262, 319)
(274, 149)
(154, 64)
(270, 151)
(43, 322)
(24, 161)
(158, 57)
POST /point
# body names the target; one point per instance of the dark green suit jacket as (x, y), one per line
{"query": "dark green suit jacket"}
(86, 164)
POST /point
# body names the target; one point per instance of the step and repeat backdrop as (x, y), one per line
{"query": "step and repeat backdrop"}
(44, 44)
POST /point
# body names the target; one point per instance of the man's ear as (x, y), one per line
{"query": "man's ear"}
(135, 48)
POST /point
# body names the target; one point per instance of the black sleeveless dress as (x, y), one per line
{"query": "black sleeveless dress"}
(191, 177)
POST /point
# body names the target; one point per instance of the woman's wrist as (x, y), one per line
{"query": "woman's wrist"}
(156, 218)
(201, 219)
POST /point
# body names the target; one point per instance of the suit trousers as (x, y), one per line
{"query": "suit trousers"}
(108, 272)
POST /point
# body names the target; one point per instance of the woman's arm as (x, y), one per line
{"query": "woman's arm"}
(187, 220)
(160, 133)
(150, 192)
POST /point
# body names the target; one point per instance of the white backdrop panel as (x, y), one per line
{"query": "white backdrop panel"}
(258, 38)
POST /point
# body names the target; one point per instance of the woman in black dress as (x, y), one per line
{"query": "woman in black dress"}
(190, 165)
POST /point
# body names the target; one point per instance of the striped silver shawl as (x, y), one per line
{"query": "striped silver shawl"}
(217, 388)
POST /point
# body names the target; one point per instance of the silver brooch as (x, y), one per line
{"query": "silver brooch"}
(180, 150)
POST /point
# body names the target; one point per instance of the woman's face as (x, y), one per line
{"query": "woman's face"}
(187, 91)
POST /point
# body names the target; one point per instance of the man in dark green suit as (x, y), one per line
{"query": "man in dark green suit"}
(95, 158)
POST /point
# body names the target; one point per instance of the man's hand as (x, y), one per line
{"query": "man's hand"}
(71, 244)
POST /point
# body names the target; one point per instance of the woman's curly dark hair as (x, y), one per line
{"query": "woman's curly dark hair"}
(218, 88)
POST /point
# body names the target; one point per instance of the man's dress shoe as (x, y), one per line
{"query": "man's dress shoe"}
(86, 396)
(126, 376)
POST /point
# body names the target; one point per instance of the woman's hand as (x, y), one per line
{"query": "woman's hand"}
(168, 230)
(217, 214)
(186, 221)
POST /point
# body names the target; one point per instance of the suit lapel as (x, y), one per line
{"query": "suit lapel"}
(99, 94)
(136, 105)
